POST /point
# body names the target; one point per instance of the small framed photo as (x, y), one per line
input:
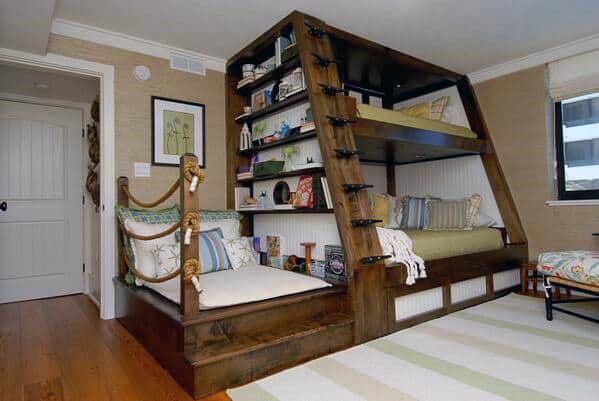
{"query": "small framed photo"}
(178, 127)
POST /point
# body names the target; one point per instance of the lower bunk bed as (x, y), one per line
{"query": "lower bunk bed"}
(463, 268)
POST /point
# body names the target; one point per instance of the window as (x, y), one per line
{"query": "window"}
(577, 147)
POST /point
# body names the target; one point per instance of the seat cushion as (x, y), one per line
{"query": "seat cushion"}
(579, 266)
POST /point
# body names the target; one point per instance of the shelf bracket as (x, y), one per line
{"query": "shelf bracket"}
(322, 61)
(364, 222)
(340, 122)
(315, 31)
(331, 90)
(369, 260)
(346, 153)
(349, 188)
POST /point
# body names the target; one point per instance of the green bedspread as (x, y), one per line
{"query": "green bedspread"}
(430, 245)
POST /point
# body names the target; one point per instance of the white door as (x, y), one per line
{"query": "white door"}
(41, 186)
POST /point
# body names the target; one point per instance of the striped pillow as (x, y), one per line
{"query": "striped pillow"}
(213, 256)
(451, 214)
(413, 212)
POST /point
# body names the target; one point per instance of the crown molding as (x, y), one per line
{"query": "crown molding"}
(538, 58)
(131, 43)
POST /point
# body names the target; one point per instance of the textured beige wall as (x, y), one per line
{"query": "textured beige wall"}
(133, 116)
(515, 110)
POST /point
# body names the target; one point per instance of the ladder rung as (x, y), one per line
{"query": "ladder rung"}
(368, 260)
(315, 31)
(346, 153)
(356, 187)
(340, 121)
(323, 61)
(364, 222)
(331, 90)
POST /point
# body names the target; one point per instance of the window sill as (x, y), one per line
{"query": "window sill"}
(580, 202)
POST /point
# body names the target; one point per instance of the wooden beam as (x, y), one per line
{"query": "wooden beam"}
(390, 171)
(505, 201)
(122, 200)
(364, 282)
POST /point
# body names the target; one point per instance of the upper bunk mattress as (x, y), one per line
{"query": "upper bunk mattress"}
(249, 284)
(430, 245)
(368, 112)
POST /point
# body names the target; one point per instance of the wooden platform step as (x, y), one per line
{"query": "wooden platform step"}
(248, 357)
(249, 343)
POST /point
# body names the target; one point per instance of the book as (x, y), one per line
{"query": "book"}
(285, 206)
(327, 193)
(244, 176)
(334, 264)
(244, 82)
(280, 45)
(274, 251)
(303, 194)
(318, 198)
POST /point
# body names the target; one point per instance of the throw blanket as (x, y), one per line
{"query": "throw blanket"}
(397, 244)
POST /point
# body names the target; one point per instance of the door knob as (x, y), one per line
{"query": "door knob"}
(3, 206)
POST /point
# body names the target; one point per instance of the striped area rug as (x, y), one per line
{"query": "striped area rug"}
(500, 350)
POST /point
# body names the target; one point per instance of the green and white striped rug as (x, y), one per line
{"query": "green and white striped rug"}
(500, 350)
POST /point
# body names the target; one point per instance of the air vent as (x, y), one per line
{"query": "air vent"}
(187, 64)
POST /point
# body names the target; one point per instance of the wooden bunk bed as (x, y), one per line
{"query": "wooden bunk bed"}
(348, 134)
(207, 351)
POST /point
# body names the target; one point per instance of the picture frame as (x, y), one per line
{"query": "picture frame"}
(178, 127)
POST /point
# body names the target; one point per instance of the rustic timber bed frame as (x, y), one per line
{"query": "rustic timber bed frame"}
(209, 351)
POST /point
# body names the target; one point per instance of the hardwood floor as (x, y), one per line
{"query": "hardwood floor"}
(58, 349)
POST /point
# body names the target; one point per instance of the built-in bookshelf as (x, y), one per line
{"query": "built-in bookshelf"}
(273, 108)
(273, 75)
(285, 141)
(283, 174)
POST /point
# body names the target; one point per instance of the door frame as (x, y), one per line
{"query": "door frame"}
(105, 72)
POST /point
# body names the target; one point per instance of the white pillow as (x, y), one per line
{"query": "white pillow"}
(142, 250)
(482, 220)
(240, 252)
(167, 258)
(229, 227)
(394, 215)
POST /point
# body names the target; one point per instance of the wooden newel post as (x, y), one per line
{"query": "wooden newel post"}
(189, 203)
(122, 200)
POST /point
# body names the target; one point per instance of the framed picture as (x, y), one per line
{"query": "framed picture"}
(177, 128)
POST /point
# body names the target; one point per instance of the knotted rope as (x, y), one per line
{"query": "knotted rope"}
(151, 204)
(191, 271)
(143, 277)
(191, 224)
(161, 234)
(193, 175)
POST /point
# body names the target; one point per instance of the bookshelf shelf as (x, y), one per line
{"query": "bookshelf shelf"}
(280, 142)
(273, 75)
(305, 171)
(289, 101)
(286, 211)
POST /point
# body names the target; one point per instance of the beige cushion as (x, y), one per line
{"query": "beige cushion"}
(380, 209)
(451, 214)
(431, 110)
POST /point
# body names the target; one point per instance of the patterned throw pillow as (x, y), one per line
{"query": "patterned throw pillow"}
(452, 214)
(142, 249)
(213, 256)
(413, 212)
(395, 213)
(437, 108)
(167, 258)
(162, 216)
(240, 252)
(215, 215)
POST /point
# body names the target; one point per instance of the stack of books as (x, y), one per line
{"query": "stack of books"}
(245, 81)
(309, 126)
(327, 193)
(245, 176)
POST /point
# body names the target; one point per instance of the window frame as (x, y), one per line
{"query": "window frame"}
(562, 194)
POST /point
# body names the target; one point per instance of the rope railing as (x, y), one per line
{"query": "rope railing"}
(155, 203)
(189, 226)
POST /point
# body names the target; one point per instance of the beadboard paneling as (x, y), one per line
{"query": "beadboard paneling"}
(319, 228)
(468, 289)
(418, 303)
(293, 115)
(307, 148)
(506, 279)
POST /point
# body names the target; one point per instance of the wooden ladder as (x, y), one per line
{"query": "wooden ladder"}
(334, 114)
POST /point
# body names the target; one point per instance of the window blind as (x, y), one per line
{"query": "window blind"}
(574, 76)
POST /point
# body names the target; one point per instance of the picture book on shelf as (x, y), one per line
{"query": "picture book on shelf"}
(335, 263)
(274, 251)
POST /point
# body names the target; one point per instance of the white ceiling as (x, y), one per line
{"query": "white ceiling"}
(25, 24)
(464, 35)
(21, 80)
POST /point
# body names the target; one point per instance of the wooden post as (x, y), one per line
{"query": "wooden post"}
(188, 202)
(308, 255)
(122, 200)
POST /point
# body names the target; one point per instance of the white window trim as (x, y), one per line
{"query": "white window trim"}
(580, 202)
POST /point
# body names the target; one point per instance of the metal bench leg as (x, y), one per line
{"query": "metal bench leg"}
(548, 299)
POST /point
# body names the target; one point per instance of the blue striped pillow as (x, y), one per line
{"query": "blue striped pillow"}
(413, 214)
(213, 256)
